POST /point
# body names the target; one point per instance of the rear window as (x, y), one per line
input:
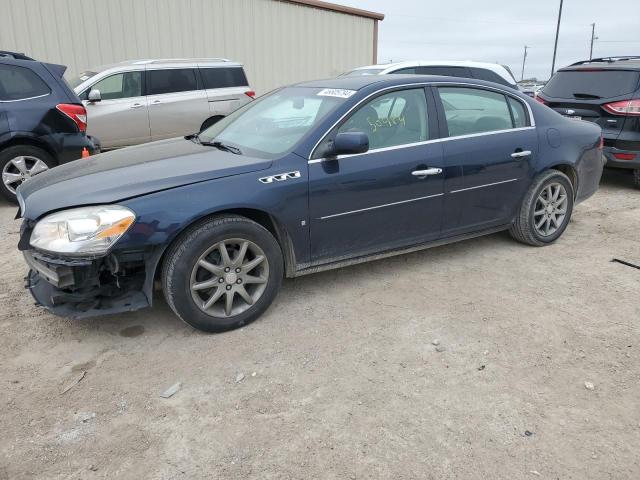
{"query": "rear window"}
(19, 83)
(223, 77)
(591, 84)
(462, 72)
(489, 76)
(172, 80)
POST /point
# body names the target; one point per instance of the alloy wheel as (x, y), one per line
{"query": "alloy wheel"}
(20, 169)
(229, 277)
(550, 209)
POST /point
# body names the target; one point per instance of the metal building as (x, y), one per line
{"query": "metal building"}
(279, 41)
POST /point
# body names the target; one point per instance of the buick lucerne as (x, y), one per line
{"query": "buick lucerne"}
(310, 177)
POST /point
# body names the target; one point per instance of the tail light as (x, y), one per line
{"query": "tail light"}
(539, 99)
(77, 113)
(623, 107)
(250, 93)
(625, 156)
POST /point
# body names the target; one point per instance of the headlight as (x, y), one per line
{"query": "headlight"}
(87, 230)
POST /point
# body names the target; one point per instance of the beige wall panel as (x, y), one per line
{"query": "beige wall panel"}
(279, 42)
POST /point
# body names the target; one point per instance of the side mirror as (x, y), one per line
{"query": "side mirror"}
(94, 95)
(349, 143)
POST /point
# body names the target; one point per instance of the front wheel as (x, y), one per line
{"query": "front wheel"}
(223, 273)
(545, 211)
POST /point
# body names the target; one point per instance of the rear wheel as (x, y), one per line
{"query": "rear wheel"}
(545, 211)
(19, 163)
(223, 273)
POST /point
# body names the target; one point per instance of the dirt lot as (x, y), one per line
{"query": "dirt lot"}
(341, 379)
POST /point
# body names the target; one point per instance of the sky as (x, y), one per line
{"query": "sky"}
(498, 30)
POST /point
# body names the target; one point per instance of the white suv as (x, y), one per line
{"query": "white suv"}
(492, 72)
(144, 100)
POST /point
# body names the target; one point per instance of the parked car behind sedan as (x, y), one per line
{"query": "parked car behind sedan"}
(42, 122)
(605, 91)
(139, 101)
(491, 72)
(315, 176)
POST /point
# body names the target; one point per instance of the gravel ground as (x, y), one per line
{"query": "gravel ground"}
(341, 378)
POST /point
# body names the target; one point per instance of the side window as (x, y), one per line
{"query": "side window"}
(18, 83)
(520, 117)
(171, 80)
(396, 118)
(409, 71)
(489, 76)
(223, 77)
(472, 110)
(120, 85)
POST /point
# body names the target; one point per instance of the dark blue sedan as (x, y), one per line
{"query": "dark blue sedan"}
(314, 176)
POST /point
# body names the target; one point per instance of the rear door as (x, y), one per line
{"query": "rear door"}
(177, 103)
(226, 89)
(121, 117)
(585, 93)
(489, 155)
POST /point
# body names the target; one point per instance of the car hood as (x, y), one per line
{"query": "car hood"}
(130, 172)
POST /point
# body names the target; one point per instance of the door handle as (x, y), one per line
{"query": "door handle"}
(136, 105)
(521, 153)
(156, 102)
(428, 171)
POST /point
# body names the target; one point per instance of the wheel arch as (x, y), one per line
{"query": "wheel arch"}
(30, 141)
(261, 217)
(570, 171)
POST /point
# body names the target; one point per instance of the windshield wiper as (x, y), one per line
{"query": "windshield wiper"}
(223, 146)
(586, 95)
(194, 137)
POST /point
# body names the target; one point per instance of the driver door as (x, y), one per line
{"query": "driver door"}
(121, 117)
(388, 197)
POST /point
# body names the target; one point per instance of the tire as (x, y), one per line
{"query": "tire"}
(201, 245)
(636, 178)
(32, 157)
(524, 228)
(211, 121)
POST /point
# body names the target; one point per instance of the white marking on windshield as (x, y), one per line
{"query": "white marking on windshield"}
(336, 92)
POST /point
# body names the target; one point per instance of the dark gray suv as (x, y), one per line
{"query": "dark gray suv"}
(605, 91)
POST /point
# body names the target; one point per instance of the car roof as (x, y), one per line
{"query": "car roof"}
(359, 82)
(168, 62)
(605, 64)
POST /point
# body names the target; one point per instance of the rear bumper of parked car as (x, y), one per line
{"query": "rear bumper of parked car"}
(72, 146)
(618, 158)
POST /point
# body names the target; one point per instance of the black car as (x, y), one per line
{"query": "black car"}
(42, 121)
(310, 177)
(605, 91)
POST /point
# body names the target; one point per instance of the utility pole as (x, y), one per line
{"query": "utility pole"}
(524, 59)
(555, 46)
(593, 37)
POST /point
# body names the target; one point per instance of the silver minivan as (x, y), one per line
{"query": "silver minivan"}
(144, 100)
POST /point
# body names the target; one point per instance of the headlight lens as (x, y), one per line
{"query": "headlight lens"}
(86, 230)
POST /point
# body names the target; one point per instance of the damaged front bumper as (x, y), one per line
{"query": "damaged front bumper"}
(81, 288)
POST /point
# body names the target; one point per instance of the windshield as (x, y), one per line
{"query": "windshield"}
(275, 123)
(363, 71)
(83, 77)
(590, 83)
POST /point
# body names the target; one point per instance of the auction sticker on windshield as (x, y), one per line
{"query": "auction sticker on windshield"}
(336, 92)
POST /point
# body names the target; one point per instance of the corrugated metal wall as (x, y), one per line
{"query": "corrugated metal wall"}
(279, 42)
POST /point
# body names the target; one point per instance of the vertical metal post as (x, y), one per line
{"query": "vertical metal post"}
(555, 46)
(524, 59)
(593, 37)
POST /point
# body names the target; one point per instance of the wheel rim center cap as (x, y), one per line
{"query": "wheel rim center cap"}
(230, 277)
(550, 209)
